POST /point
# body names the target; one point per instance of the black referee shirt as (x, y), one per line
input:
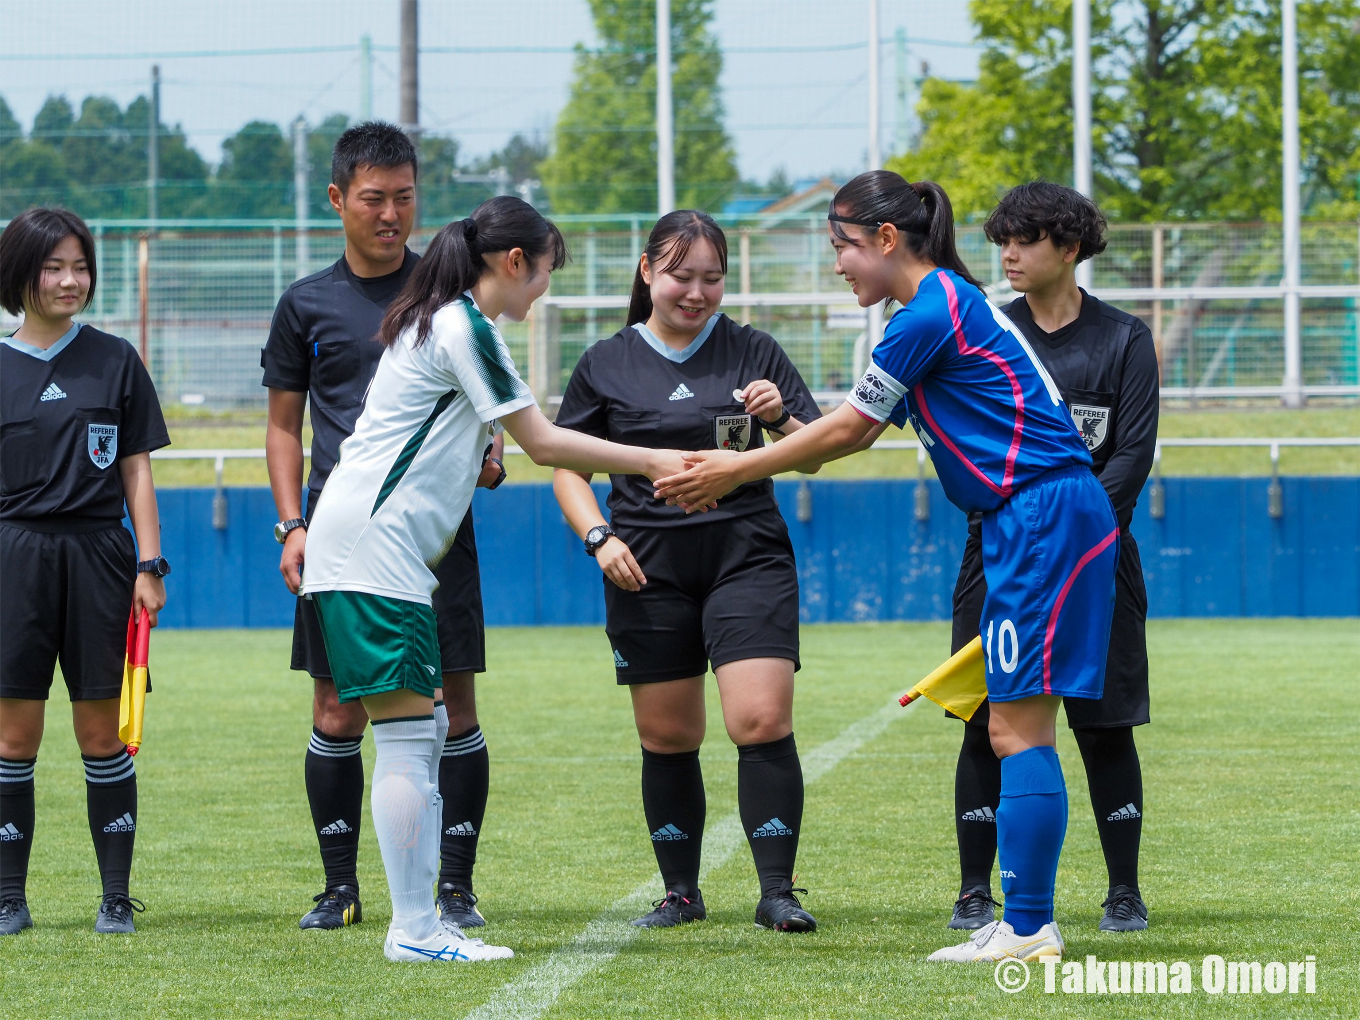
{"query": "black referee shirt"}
(322, 343)
(635, 390)
(67, 416)
(1105, 365)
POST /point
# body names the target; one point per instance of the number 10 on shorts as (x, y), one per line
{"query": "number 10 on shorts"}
(1007, 646)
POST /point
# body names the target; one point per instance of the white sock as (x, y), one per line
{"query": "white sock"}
(406, 817)
(441, 732)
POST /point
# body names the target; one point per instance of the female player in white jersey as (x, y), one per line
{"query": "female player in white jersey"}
(391, 509)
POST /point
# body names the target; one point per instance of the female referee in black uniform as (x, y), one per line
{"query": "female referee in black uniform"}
(78, 420)
(682, 592)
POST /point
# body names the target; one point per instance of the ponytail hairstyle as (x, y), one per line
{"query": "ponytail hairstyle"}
(455, 260)
(921, 211)
(667, 245)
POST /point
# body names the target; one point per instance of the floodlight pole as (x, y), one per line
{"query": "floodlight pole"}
(874, 323)
(365, 77)
(665, 112)
(153, 160)
(300, 236)
(410, 80)
(1081, 113)
(1292, 395)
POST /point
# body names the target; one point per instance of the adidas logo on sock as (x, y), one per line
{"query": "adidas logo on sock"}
(53, 392)
(461, 829)
(668, 832)
(336, 828)
(682, 392)
(774, 827)
(123, 824)
(619, 661)
(982, 814)
(9, 833)
(1124, 814)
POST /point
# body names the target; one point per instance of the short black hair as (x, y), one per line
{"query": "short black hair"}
(25, 245)
(373, 143)
(1030, 211)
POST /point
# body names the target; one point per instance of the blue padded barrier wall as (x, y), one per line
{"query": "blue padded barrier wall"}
(862, 556)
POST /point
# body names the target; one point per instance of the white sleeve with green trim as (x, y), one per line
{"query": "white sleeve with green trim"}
(470, 346)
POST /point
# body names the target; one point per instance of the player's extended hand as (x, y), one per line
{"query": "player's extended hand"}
(148, 592)
(709, 475)
(616, 560)
(671, 464)
(762, 399)
(290, 563)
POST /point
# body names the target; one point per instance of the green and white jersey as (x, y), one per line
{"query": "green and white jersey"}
(405, 478)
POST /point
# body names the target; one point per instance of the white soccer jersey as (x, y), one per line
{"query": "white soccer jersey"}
(405, 478)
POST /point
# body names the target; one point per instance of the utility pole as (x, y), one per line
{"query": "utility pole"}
(665, 112)
(1293, 355)
(410, 79)
(1081, 113)
(365, 77)
(905, 104)
(874, 323)
(303, 252)
(153, 157)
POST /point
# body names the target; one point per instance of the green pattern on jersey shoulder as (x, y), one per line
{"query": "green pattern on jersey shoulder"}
(499, 378)
(409, 451)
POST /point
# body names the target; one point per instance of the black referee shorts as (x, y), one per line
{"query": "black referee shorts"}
(1125, 702)
(714, 593)
(457, 614)
(65, 598)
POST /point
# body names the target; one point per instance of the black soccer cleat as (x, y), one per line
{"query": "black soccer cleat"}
(14, 916)
(974, 909)
(1124, 910)
(335, 908)
(115, 914)
(672, 910)
(457, 905)
(781, 911)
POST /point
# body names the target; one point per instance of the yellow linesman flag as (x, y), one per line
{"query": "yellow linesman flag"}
(960, 685)
(135, 682)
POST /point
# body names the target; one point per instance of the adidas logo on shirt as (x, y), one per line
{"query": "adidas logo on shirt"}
(122, 824)
(682, 392)
(336, 828)
(774, 827)
(667, 833)
(9, 833)
(619, 661)
(1124, 814)
(461, 829)
(53, 392)
(982, 814)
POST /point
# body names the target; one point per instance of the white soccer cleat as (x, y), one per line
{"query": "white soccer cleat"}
(447, 945)
(998, 940)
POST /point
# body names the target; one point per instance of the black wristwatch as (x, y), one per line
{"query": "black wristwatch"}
(499, 478)
(778, 424)
(158, 567)
(282, 529)
(596, 537)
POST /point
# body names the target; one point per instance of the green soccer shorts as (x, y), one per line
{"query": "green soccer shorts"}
(377, 644)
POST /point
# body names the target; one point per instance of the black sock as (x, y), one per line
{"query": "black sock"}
(335, 791)
(464, 779)
(111, 803)
(1115, 777)
(16, 824)
(770, 796)
(977, 793)
(674, 803)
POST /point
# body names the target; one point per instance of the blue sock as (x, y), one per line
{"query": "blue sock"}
(1031, 822)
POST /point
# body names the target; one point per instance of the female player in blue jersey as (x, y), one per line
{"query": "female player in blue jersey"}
(1004, 445)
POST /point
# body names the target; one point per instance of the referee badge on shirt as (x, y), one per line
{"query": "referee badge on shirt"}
(1093, 423)
(732, 431)
(103, 445)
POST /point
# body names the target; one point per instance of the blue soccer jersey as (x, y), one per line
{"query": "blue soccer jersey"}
(978, 397)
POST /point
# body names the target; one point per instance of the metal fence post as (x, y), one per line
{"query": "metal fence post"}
(143, 296)
(592, 286)
(744, 250)
(300, 195)
(1158, 279)
(815, 266)
(278, 262)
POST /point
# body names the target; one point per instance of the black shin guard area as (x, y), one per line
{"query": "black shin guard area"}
(977, 794)
(1115, 778)
(335, 791)
(770, 796)
(674, 803)
(464, 780)
(16, 824)
(111, 803)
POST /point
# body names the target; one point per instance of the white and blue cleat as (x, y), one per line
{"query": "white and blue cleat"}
(445, 945)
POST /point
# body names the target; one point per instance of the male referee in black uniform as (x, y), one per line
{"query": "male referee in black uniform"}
(1105, 364)
(321, 348)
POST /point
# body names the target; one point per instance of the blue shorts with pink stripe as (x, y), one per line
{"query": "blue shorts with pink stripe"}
(1049, 554)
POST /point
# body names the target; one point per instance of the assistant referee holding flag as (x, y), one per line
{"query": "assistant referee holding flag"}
(1104, 363)
(79, 418)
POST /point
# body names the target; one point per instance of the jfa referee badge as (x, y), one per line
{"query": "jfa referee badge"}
(1093, 423)
(732, 432)
(103, 445)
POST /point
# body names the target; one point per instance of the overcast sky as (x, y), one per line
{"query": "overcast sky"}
(802, 107)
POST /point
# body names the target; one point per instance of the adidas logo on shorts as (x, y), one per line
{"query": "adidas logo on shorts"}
(1127, 813)
(682, 392)
(461, 829)
(667, 833)
(619, 661)
(982, 814)
(123, 824)
(336, 828)
(774, 827)
(9, 833)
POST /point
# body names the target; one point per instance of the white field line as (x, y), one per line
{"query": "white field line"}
(533, 992)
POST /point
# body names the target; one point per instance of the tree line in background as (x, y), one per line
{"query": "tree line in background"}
(1186, 108)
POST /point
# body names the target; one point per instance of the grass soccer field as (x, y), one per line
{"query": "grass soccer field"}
(1248, 852)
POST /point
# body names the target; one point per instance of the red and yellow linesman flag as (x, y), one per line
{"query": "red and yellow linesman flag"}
(135, 682)
(960, 685)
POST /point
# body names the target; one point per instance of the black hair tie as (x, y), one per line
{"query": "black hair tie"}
(470, 231)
